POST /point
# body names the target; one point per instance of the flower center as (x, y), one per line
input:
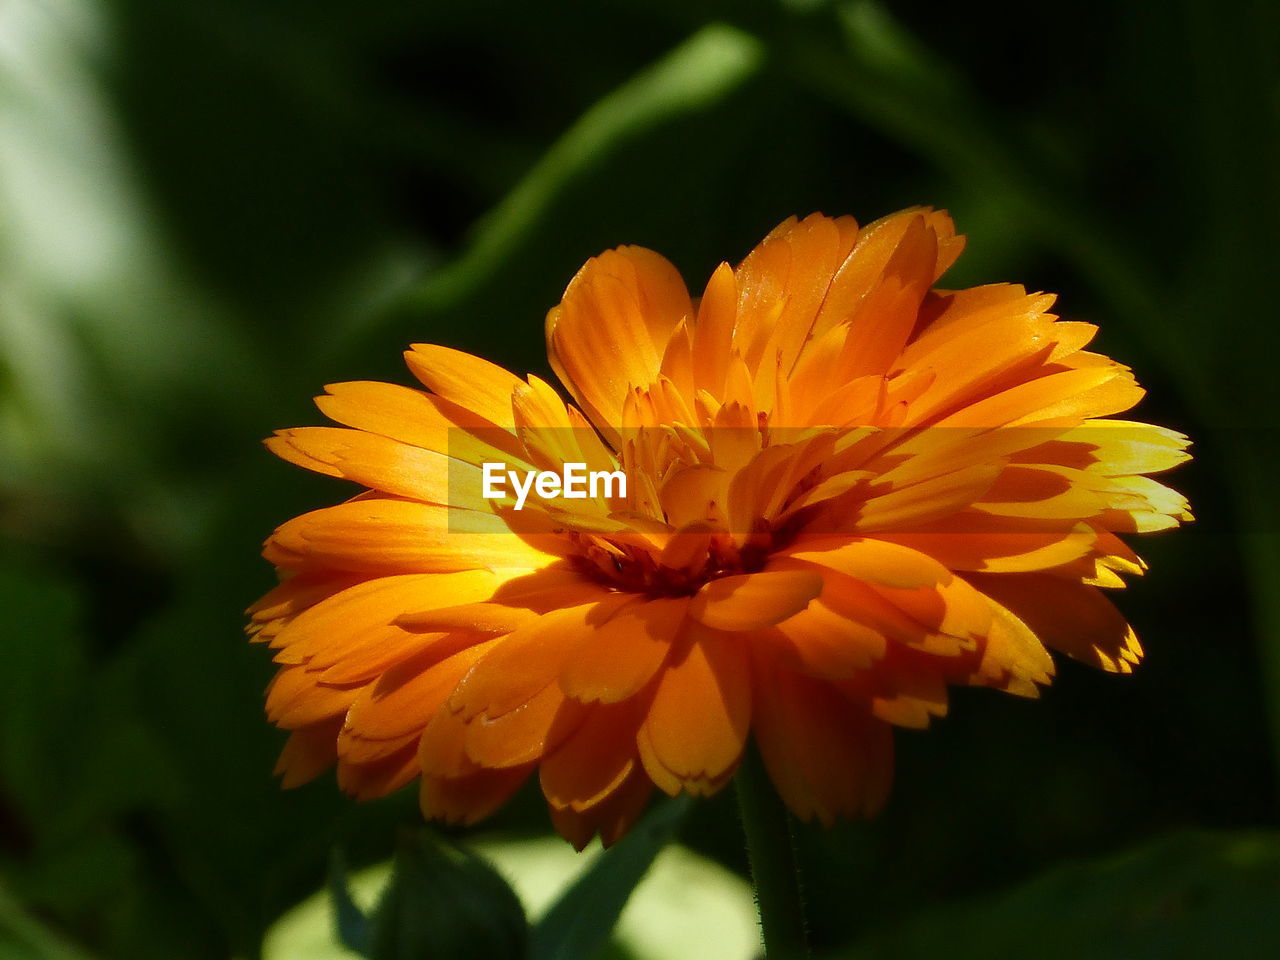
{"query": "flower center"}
(678, 569)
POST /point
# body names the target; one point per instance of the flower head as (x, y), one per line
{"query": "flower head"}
(846, 490)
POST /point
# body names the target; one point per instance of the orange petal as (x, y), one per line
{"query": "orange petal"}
(555, 586)
(1043, 491)
(1075, 618)
(382, 535)
(864, 604)
(1013, 658)
(493, 619)
(380, 464)
(871, 560)
(420, 419)
(296, 698)
(405, 699)
(477, 385)
(308, 752)
(783, 283)
(693, 734)
(442, 749)
(677, 370)
(908, 687)
(827, 757)
(610, 331)
(356, 630)
(469, 799)
(822, 643)
(297, 593)
(519, 666)
(883, 321)
(525, 733)
(949, 610)
(1083, 393)
(995, 343)
(876, 243)
(368, 781)
(972, 540)
(1118, 448)
(713, 332)
(611, 818)
(618, 658)
(595, 760)
(752, 600)
(928, 500)
(951, 314)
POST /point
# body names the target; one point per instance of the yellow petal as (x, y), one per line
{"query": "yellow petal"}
(381, 463)
(419, 419)
(1075, 618)
(476, 385)
(383, 535)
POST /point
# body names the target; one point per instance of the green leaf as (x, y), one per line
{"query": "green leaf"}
(446, 903)
(350, 923)
(579, 925)
(1192, 895)
(702, 70)
(700, 73)
(864, 59)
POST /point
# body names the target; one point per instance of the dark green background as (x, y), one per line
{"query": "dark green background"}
(211, 210)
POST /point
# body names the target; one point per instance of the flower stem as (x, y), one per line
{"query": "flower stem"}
(771, 851)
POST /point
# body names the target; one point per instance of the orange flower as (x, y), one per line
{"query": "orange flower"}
(846, 490)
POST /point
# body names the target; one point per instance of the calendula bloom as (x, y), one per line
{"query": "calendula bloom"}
(846, 491)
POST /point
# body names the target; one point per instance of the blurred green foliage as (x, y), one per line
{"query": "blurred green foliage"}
(1184, 897)
(443, 901)
(579, 922)
(209, 211)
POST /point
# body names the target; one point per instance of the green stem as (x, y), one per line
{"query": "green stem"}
(771, 851)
